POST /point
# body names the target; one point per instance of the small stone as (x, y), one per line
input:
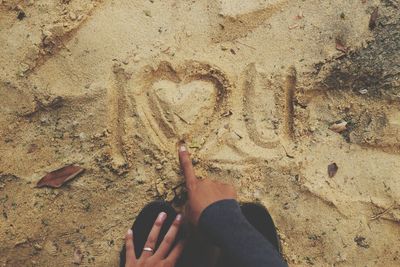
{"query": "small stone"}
(23, 67)
(98, 135)
(159, 167)
(147, 13)
(147, 159)
(37, 246)
(136, 58)
(160, 188)
(341, 257)
(257, 194)
(47, 37)
(338, 127)
(195, 161)
(72, 15)
(82, 136)
(141, 179)
(170, 196)
(21, 15)
(20, 242)
(44, 120)
(332, 169)
(361, 241)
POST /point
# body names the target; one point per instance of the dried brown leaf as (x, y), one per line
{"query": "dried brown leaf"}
(59, 177)
(78, 256)
(373, 18)
(332, 169)
(341, 47)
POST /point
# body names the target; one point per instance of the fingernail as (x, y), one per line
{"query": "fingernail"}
(161, 216)
(130, 232)
(182, 148)
(178, 217)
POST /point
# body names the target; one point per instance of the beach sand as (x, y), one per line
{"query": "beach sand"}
(253, 87)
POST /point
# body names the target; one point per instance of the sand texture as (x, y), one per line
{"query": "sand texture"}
(266, 93)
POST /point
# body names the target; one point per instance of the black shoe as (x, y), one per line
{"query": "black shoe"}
(259, 217)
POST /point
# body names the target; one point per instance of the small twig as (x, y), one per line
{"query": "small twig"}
(240, 137)
(182, 119)
(54, 103)
(380, 214)
(287, 154)
(249, 46)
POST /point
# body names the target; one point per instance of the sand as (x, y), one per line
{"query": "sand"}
(252, 86)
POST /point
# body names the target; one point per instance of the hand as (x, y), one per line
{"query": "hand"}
(164, 256)
(202, 193)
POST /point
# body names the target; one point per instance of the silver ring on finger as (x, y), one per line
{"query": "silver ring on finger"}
(148, 249)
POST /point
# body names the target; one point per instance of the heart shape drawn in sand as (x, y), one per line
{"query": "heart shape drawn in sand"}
(180, 102)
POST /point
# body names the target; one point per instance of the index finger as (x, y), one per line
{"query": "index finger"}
(186, 166)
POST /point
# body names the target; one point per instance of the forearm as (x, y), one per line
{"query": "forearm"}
(224, 223)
